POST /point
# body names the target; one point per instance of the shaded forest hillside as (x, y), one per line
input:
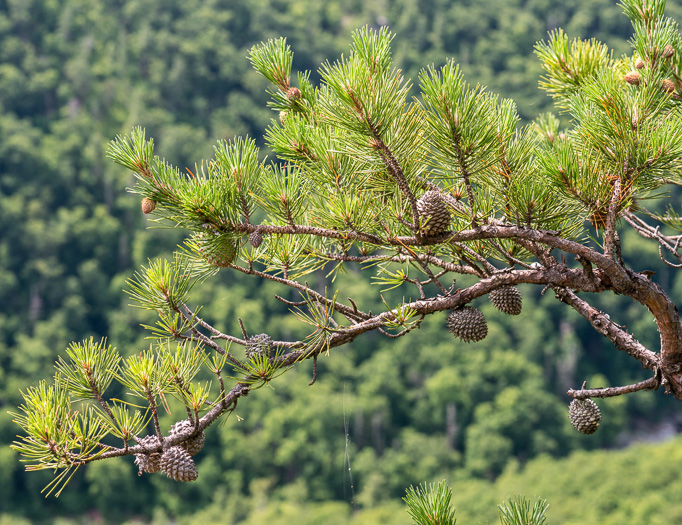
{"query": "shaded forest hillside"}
(75, 73)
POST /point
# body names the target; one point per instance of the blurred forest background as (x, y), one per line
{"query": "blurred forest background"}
(489, 417)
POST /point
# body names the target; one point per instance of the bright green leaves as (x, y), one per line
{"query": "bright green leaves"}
(578, 182)
(273, 60)
(431, 505)
(162, 285)
(140, 375)
(626, 116)
(569, 65)
(364, 96)
(518, 511)
(90, 368)
(65, 424)
(217, 192)
(467, 124)
(364, 93)
(285, 194)
(632, 128)
(57, 437)
(133, 152)
(125, 423)
(476, 147)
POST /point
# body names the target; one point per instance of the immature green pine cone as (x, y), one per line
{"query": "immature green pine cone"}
(507, 299)
(585, 415)
(218, 251)
(434, 213)
(178, 464)
(468, 324)
(194, 444)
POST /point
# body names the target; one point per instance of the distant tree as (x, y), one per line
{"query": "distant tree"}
(416, 192)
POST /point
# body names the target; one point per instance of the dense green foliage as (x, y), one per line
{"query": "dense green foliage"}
(73, 74)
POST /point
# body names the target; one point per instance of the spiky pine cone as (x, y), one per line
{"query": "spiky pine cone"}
(585, 415)
(507, 299)
(468, 323)
(178, 464)
(192, 445)
(633, 78)
(148, 205)
(434, 213)
(639, 63)
(218, 250)
(259, 344)
(255, 239)
(148, 463)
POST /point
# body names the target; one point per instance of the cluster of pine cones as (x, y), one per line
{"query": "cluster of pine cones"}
(176, 461)
(468, 323)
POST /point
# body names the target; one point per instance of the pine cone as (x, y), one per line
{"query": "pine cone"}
(633, 78)
(255, 239)
(507, 299)
(259, 344)
(639, 63)
(434, 214)
(218, 250)
(148, 463)
(668, 51)
(192, 445)
(178, 464)
(468, 323)
(148, 205)
(293, 93)
(585, 415)
(667, 85)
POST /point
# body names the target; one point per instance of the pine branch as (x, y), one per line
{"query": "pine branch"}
(648, 384)
(602, 323)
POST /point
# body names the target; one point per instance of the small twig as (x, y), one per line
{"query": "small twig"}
(587, 266)
(95, 391)
(489, 268)
(402, 332)
(314, 371)
(610, 227)
(428, 272)
(511, 260)
(355, 307)
(155, 415)
(341, 308)
(647, 384)
(290, 303)
(241, 325)
(618, 250)
(217, 334)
